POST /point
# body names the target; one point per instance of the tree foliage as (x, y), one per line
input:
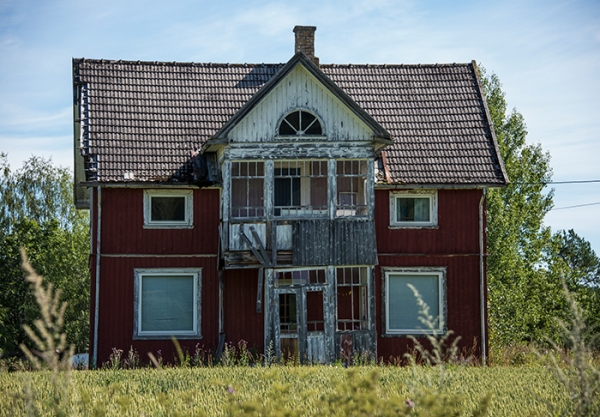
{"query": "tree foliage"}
(37, 213)
(526, 263)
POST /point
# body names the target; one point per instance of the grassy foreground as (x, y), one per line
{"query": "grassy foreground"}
(280, 390)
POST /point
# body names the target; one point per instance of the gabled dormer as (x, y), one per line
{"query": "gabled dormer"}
(296, 160)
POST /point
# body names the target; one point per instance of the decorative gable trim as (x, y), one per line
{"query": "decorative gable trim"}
(381, 136)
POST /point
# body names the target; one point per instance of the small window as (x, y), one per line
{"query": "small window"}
(168, 208)
(167, 303)
(413, 209)
(402, 310)
(300, 123)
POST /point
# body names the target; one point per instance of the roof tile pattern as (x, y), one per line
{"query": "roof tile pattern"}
(142, 120)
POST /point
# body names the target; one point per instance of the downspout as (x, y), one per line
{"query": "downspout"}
(97, 295)
(482, 278)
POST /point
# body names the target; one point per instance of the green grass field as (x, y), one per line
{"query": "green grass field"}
(316, 390)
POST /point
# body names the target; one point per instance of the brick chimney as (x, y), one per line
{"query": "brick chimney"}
(305, 42)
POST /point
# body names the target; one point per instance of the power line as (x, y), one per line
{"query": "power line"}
(579, 205)
(573, 182)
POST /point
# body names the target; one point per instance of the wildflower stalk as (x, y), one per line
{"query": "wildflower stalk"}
(51, 351)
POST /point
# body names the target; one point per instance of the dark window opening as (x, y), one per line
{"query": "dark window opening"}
(168, 209)
(300, 123)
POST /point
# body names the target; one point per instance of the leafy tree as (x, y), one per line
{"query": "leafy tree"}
(572, 260)
(38, 214)
(522, 300)
(527, 265)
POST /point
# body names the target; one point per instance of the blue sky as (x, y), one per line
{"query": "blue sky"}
(546, 53)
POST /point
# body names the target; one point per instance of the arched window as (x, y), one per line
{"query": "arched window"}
(300, 123)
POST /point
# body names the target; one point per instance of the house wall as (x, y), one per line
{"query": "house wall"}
(241, 321)
(453, 244)
(126, 245)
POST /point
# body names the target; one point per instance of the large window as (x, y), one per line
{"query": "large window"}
(167, 303)
(168, 208)
(300, 188)
(351, 188)
(247, 189)
(413, 208)
(401, 308)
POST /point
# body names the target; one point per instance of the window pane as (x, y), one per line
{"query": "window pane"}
(351, 188)
(403, 309)
(168, 209)
(300, 188)
(247, 183)
(167, 303)
(300, 123)
(413, 209)
(352, 298)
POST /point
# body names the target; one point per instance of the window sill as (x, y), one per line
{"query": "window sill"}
(165, 337)
(407, 335)
(168, 226)
(407, 226)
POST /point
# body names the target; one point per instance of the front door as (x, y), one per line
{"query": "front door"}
(300, 324)
(298, 316)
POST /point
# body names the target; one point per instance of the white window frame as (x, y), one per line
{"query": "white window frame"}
(358, 194)
(139, 275)
(424, 271)
(432, 195)
(186, 223)
(301, 135)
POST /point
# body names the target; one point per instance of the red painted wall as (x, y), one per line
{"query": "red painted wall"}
(454, 244)
(241, 321)
(123, 221)
(457, 231)
(126, 245)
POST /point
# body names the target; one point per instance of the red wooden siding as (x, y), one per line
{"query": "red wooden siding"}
(126, 245)
(454, 244)
(462, 301)
(123, 221)
(241, 321)
(457, 231)
(116, 306)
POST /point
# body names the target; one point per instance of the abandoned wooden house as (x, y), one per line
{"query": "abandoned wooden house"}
(287, 205)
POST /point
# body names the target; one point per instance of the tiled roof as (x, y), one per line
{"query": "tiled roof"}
(143, 119)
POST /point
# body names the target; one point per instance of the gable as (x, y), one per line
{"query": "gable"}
(300, 90)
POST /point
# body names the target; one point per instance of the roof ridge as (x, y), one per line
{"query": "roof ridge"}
(436, 65)
(263, 64)
(175, 63)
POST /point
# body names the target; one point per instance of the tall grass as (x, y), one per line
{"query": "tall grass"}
(435, 383)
